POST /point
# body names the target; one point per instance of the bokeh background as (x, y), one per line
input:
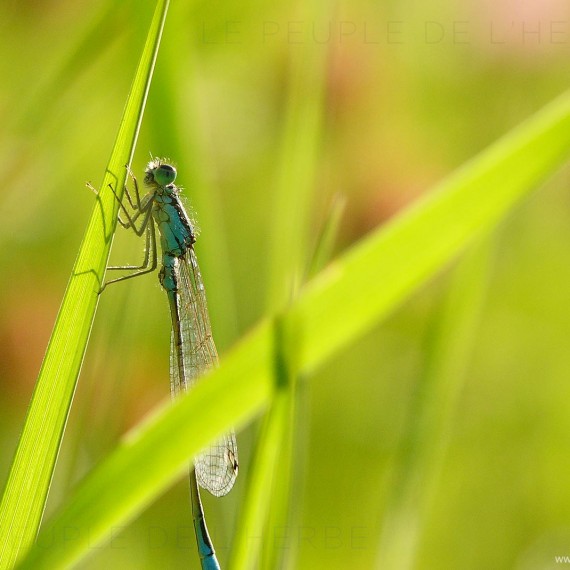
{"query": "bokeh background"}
(410, 91)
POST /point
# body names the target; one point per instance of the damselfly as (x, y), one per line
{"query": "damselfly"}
(192, 350)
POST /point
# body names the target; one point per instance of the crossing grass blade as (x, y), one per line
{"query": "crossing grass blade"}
(26, 491)
(334, 309)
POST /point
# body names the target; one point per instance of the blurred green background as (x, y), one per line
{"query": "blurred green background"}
(409, 91)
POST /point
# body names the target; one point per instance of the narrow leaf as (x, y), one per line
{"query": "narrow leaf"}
(26, 491)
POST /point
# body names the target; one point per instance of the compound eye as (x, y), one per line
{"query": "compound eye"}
(165, 174)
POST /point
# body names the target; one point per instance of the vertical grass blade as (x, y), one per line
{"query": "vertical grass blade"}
(269, 483)
(25, 495)
(272, 450)
(249, 533)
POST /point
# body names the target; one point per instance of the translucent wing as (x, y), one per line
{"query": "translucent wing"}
(217, 465)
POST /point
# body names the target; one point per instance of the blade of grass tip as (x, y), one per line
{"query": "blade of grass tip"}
(323, 250)
(24, 497)
(379, 272)
(434, 409)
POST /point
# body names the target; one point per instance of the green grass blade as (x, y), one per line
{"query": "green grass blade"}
(294, 191)
(344, 301)
(248, 540)
(272, 450)
(24, 498)
(279, 551)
